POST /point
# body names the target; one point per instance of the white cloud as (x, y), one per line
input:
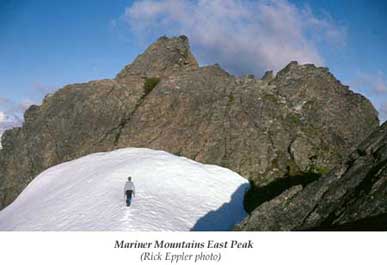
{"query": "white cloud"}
(374, 83)
(2, 116)
(10, 107)
(243, 36)
(11, 113)
(3, 125)
(25, 104)
(42, 89)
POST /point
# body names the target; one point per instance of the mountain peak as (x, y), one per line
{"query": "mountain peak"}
(268, 131)
(162, 58)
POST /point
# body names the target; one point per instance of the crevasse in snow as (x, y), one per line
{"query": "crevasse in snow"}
(172, 194)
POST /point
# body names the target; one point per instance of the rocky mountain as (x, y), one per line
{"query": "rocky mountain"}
(294, 126)
(7, 122)
(353, 196)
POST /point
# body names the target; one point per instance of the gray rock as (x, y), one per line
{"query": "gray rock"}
(302, 120)
(163, 58)
(267, 76)
(353, 196)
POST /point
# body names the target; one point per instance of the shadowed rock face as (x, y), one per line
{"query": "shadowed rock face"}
(301, 120)
(353, 196)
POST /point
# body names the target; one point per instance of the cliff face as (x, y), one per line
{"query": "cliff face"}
(300, 121)
(353, 196)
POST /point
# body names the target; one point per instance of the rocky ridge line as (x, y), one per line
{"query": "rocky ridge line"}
(298, 122)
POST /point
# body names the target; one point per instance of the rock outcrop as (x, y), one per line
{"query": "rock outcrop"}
(353, 196)
(300, 121)
(162, 59)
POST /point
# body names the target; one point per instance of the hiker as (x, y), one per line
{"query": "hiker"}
(129, 191)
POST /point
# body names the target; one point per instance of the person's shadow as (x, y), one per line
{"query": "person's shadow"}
(227, 216)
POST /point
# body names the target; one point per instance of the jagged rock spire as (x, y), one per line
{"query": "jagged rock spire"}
(162, 58)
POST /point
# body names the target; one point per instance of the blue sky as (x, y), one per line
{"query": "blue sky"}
(45, 44)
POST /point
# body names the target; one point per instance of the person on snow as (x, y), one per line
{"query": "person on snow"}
(129, 191)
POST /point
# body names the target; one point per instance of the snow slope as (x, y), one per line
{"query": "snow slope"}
(172, 194)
